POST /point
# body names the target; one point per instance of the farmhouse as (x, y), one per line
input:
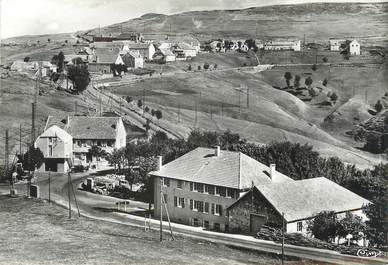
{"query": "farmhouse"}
(298, 200)
(275, 45)
(168, 55)
(146, 50)
(57, 146)
(103, 59)
(83, 132)
(353, 47)
(133, 59)
(199, 186)
(335, 44)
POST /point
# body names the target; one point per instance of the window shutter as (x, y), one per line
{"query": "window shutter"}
(212, 208)
(220, 210)
(191, 204)
(183, 203)
(175, 201)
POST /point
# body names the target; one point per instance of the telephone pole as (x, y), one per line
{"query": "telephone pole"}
(161, 210)
(6, 153)
(68, 192)
(283, 238)
(75, 108)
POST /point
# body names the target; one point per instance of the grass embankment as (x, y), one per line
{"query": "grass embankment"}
(36, 232)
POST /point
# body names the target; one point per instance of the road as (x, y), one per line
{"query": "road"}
(103, 208)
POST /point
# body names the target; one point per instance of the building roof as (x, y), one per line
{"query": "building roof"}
(303, 199)
(84, 127)
(138, 46)
(135, 54)
(229, 169)
(167, 52)
(55, 131)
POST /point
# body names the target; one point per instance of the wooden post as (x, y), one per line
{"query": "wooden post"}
(49, 184)
(68, 192)
(6, 153)
(282, 238)
(161, 210)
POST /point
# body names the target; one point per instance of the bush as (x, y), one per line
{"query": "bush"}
(206, 66)
(297, 81)
(314, 67)
(325, 60)
(323, 226)
(158, 114)
(378, 106)
(199, 68)
(215, 66)
(147, 109)
(189, 68)
(308, 81)
(288, 77)
(26, 59)
(128, 99)
(139, 103)
(334, 97)
(324, 82)
(153, 112)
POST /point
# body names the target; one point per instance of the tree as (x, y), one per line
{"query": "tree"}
(206, 66)
(324, 82)
(378, 106)
(215, 66)
(199, 68)
(288, 77)
(146, 165)
(79, 76)
(189, 68)
(48, 40)
(308, 81)
(158, 114)
(61, 59)
(26, 59)
(97, 152)
(147, 109)
(297, 81)
(139, 103)
(323, 226)
(325, 60)
(333, 97)
(117, 159)
(314, 67)
(312, 92)
(32, 159)
(351, 224)
(128, 99)
(153, 112)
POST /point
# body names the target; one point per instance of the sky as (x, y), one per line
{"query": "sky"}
(30, 17)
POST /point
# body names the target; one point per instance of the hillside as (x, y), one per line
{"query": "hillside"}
(317, 22)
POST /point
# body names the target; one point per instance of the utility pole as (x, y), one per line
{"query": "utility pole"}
(68, 192)
(282, 238)
(161, 210)
(75, 108)
(49, 184)
(144, 99)
(6, 153)
(20, 139)
(248, 97)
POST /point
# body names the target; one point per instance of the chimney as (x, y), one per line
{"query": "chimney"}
(217, 151)
(272, 171)
(159, 165)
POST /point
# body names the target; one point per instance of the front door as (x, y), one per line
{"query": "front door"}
(256, 222)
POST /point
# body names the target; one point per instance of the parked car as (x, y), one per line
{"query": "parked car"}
(80, 168)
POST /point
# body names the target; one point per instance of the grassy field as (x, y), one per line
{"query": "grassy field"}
(35, 232)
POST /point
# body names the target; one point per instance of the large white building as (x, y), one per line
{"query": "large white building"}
(354, 48)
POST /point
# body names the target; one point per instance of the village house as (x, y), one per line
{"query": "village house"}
(299, 201)
(335, 44)
(199, 186)
(57, 147)
(132, 59)
(168, 55)
(83, 132)
(353, 47)
(146, 50)
(277, 45)
(103, 59)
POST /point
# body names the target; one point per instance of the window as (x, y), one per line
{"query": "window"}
(191, 204)
(98, 143)
(180, 184)
(213, 208)
(221, 191)
(166, 182)
(50, 150)
(206, 210)
(198, 187)
(196, 222)
(218, 210)
(191, 186)
(210, 189)
(206, 224)
(181, 202)
(230, 193)
(198, 206)
(299, 226)
(175, 201)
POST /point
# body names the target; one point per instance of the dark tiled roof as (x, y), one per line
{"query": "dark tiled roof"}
(83, 127)
(230, 169)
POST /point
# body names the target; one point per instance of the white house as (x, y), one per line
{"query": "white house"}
(334, 45)
(57, 146)
(146, 50)
(354, 48)
(133, 59)
(293, 45)
(107, 133)
(168, 55)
